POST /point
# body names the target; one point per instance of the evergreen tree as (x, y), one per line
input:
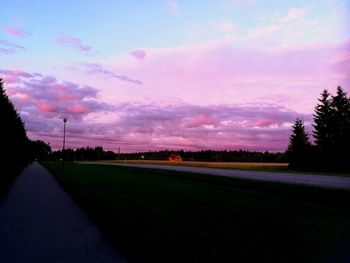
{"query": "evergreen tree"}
(332, 130)
(299, 147)
(13, 137)
(323, 129)
(341, 126)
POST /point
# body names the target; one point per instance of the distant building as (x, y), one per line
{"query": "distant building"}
(174, 157)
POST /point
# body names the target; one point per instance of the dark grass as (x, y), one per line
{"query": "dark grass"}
(167, 216)
(8, 172)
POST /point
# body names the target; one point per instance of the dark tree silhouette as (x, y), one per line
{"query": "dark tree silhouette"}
(13, 137)
(341, 127)
(209, 156)
(331, 132)
(40, 150)
(97, 153)
(323, 123)
(299, 147)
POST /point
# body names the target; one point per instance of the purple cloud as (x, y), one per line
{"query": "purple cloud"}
(150, 127)
(73, 42)
(138, 54)
(94, 68)
(14, 75)
(7, 47)
(47, 97)
(43, 101)
(207, 127)
(16, 31)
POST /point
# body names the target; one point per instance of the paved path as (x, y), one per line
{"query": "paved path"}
(40, 223)
(338, 182)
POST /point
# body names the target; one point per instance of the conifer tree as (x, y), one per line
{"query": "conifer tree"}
(13, 137)
(299, 146)
(323, 123)
(341, 125)
(332, 130)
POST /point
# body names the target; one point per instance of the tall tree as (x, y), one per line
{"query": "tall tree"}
(299, 146)
(332, 130)
(323, 129)
(13, 137)
(341, 123)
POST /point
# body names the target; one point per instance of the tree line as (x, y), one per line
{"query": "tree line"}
(83, 154)
(210, 156)
(331, 132)
(97, 153)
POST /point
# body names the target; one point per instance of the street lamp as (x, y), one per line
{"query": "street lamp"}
(64, 133)
(64, 142)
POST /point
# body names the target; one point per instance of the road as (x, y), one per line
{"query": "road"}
(40, 223)
(325, 181)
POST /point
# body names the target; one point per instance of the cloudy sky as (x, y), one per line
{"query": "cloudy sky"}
(150, 75)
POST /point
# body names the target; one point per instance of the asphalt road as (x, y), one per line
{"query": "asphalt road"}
(40, 223)
(325, 181)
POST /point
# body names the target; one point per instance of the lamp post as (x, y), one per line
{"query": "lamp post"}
(64, 133)
(64, 142)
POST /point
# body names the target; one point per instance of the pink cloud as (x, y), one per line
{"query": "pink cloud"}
(143, 126)
(138, 54)
(78, 109)
(207, 127)
(199, 121)
(45, 107)
(22, 97)
(73, 42)
(50, 96)
(154, 127)
(16, 31)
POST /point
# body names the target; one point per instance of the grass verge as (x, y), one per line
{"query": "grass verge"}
(167, 216)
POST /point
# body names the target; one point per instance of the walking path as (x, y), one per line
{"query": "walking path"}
(40, 223)
(325, 181)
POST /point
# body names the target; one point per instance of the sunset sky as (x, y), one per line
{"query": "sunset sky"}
(151, 75)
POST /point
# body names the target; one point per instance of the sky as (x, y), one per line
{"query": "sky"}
(177, 74)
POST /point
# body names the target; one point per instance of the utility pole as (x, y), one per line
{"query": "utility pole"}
(64, 133)
(64, 142)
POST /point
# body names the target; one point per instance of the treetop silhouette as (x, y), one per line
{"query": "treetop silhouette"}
(13, 136)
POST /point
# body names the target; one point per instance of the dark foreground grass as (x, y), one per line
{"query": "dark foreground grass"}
(168, 216)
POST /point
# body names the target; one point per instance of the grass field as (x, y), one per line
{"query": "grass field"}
(167, 216)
